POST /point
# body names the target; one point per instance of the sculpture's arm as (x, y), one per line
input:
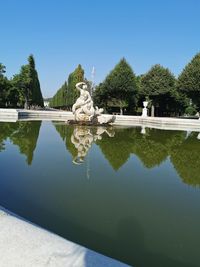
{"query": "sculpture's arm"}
(78, 85)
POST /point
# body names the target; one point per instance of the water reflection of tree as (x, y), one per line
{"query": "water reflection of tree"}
(22, 134)
(186, 159)
(6, 129)
(151, 148)
(66, 133)
(154, 147)
(117, 150)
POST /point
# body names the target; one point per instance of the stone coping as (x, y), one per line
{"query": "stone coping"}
(23, 244)
(121, 120)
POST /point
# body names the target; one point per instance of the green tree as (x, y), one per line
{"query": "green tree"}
(99, 96)
(2, 69)
(36, 94)
(119, 89)
(67, 94)
(15, 99)
(189, 80)
(23, 85)
(159, 85)
(74, 77)
(59, 99)
(26, 86)
(4, 86)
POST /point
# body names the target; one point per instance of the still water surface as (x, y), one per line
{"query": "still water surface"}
(132, 196)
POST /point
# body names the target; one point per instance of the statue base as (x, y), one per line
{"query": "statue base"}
(95, 121)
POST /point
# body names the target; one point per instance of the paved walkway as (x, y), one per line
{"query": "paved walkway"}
(25, 245)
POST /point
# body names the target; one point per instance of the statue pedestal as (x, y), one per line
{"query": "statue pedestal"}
(144, 112)
(84, 118)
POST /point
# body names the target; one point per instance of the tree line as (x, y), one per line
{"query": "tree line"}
(166, 94)
(65, 96)
(23, 89)
(123, 91)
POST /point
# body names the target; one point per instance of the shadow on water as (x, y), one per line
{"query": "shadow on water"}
(128, 246)
(117, 248)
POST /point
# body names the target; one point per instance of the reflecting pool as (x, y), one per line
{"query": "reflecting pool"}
(130, 193)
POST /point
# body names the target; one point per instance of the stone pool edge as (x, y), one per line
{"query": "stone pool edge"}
(121, 120)
(25, 244)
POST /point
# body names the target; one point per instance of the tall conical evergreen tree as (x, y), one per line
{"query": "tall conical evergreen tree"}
(27, 85)
(59, 99)
(36, 94)
(119, 88)
(74, 77)
(67, 94)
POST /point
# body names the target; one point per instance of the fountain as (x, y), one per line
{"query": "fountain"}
(84, 111)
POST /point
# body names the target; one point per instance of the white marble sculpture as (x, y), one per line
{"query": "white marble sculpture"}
(84, 110)
(144, 110)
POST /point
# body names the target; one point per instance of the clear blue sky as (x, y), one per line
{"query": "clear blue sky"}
(63, 33)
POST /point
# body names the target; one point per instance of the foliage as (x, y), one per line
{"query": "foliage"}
(117, 149)
(73, 79)
(59, 99)
(67, 94)
(65, 133)
(25, 137)
(6, 129)
(23, 89)
(22, 134)
(191, 110)
(36, 95)
(4, 86)
(189, 80)
(186, 158)
(159, 85)
(119, 88)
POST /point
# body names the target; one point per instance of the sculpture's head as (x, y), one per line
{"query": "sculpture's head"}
(84, 86)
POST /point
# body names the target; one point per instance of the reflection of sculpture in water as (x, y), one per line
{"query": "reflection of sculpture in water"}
(82, 138)
(84, 110)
